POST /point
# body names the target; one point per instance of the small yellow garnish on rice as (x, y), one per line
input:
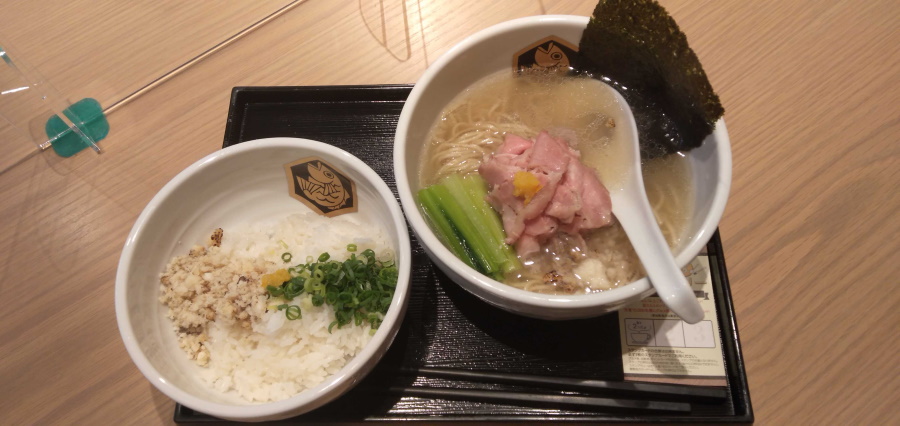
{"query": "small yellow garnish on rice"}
(276, 278)
(526, 185)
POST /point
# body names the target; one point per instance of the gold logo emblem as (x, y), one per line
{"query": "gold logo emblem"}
(551, 56)
(548, 53)
(321, 186)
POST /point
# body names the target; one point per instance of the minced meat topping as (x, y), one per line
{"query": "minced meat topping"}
(207, 285)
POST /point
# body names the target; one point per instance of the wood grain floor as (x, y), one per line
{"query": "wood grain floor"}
(810, 232)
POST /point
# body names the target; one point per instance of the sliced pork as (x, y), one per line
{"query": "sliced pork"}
(562, 193)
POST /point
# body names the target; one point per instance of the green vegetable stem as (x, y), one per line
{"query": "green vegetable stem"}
(457, 210)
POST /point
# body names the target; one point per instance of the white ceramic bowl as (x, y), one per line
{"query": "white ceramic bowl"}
(492, 50)
(239, 184)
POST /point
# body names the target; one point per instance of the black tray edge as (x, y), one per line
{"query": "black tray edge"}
(357, 93)
(733, 342)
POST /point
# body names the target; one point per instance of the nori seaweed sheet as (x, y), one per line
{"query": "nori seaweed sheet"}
(636, 47)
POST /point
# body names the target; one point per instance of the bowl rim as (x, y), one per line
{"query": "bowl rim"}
(493, 287)
(333, 385)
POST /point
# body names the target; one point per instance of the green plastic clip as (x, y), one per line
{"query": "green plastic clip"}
(88, 116)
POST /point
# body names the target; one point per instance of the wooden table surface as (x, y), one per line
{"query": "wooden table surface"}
(812, 97)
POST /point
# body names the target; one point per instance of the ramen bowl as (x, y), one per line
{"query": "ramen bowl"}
(243, 184)
(481, 55)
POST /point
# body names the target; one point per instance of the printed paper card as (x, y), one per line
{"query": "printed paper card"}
(657, 346)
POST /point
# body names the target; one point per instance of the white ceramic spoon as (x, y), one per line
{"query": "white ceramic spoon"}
(632, 208)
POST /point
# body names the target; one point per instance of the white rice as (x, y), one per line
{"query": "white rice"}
(278, 358)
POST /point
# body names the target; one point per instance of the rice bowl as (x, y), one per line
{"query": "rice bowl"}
(230, 188)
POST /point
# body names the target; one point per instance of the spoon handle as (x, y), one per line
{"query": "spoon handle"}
(653, 251)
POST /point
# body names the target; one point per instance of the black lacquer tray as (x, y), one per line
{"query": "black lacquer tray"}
(445, 326)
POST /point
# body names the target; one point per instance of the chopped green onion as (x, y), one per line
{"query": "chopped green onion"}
(359, 289)
(293, 312)
(274, 291)
(286, 257)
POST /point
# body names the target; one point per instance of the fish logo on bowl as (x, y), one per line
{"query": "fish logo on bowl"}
(547, 53)
(321, 186)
